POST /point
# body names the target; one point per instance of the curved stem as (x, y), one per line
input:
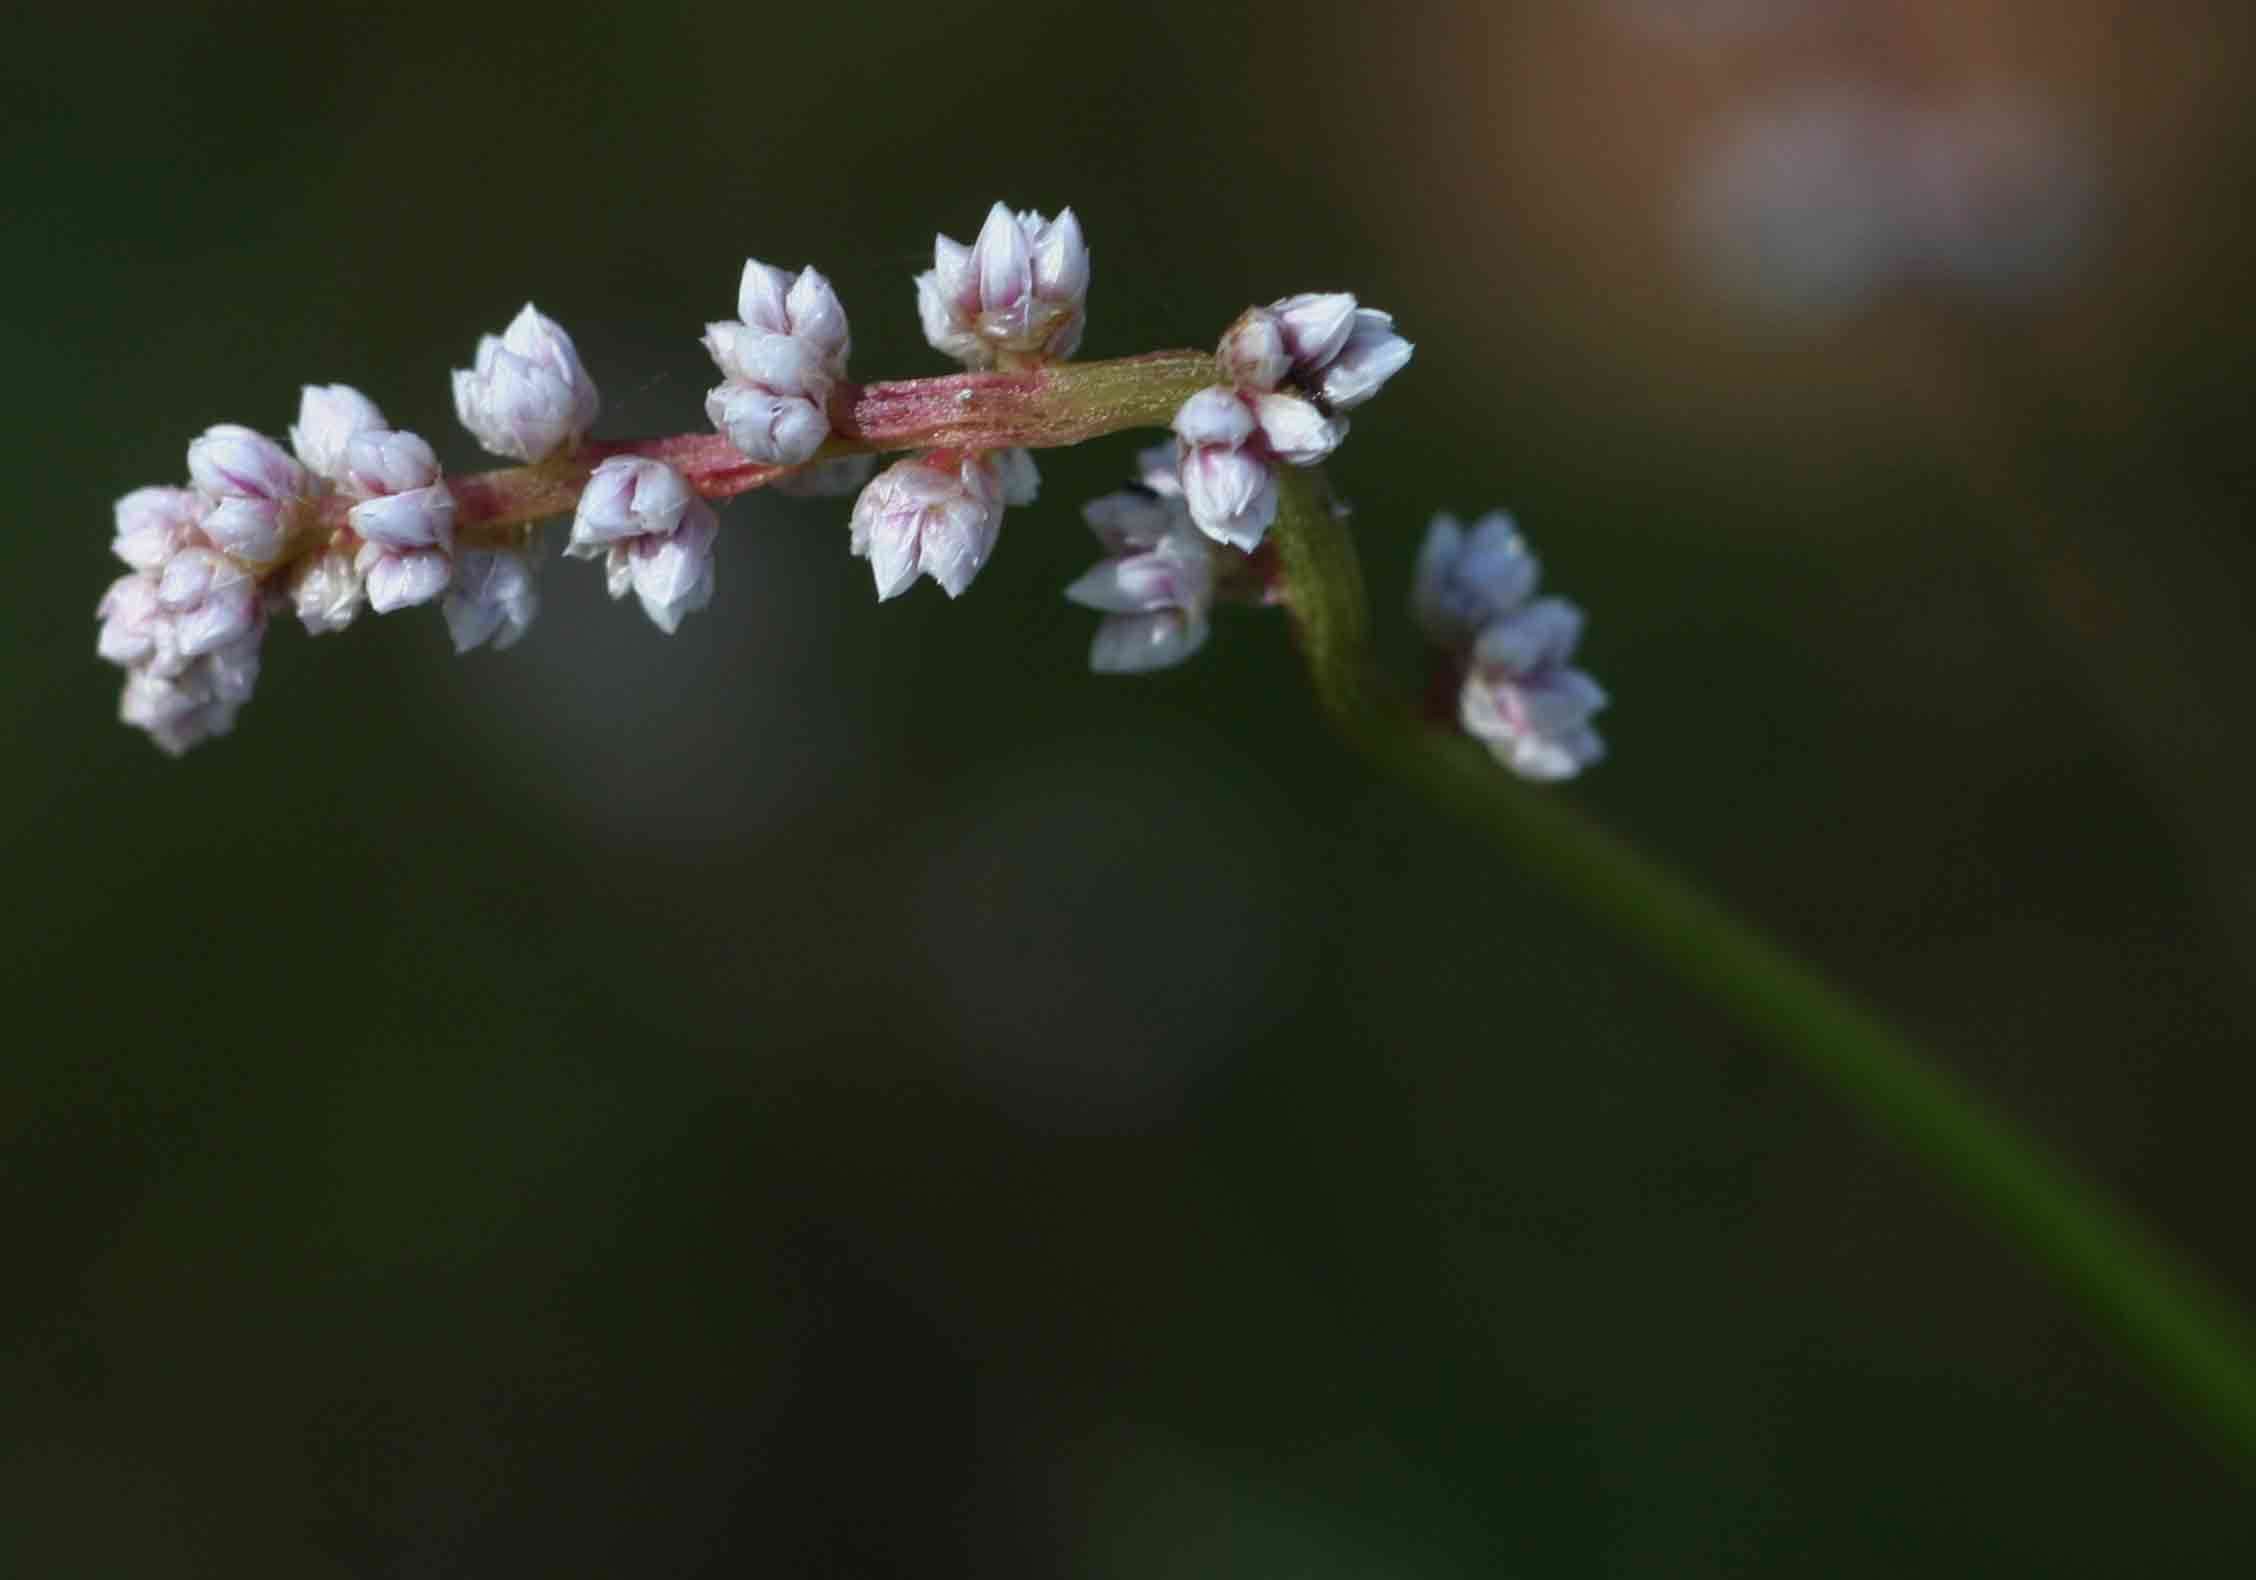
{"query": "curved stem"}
(2187, 1335)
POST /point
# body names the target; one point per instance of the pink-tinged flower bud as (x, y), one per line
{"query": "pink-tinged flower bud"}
(1156, 588)
(420, 518)
(1019, 291)
(655, 533)
(1373, 354)
(379, 461)
(1464, 580)
(255, 487)
(764, 425)
(493, 598)
(805, 308)
(401, 578)
(781, 363)
(212, 600)
(198, 702)
(1226, 482)
(1253, 352)
(1295, 431)
(1314, 326)
(1340, 353)
(233, 461)
(628, 496)
(1522, 700)
(329, 416)
(671, 573)
(526, 394)
(153, 524)
(326, 591)
(935, 515)
(136, 627)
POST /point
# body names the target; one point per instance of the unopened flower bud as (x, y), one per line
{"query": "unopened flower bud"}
(1019, 291)
(935, 515)
(212, 600)
(1226, 483)
(1253, 352)
(1373, 354)
(655, 533)
(136, 627)
(329, 416)
(153, 524)
(526, 395)
(1314, 326)
(255, 487)
(1156, 588)
(781, 362)
(492, 598)
(1465, 579)
(1523, 701)
(326, 591)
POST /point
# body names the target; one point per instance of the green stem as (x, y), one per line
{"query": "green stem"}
(2188, 1336)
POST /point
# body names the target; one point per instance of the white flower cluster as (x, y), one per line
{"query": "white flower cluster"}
(1473, 592)
(781, 357)
(255, 533)
(655, 534)
(1014, 298)
(1292, 367)
(1020, 292)
(1157, 583)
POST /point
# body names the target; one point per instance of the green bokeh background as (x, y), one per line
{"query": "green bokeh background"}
(844, 1092)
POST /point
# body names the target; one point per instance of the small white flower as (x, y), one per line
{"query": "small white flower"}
(1466, 579)
(1337, 352)
(1155, 588)
(492, 598)
(935, 515)
(526, 395)
(326, 590)
(255, 488)
(655, 533)
(153, 524)
(781, 362)
(398, 577)
(405, 521)
(137, 630)
(1020, 290)
(212, 600)
(1225, 480)
(1253, 352)
(1315, 325)
(196, 703)
(1524, 702)
(329, 416)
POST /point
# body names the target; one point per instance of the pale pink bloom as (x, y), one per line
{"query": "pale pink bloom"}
(1523, 701)
(255, 489)
(655, 533)
(326, 590)
(492, 598)
(153, 524)
(1464, 579)
(935, 515)
(526, 394)
(1155, 588)
(329, 416)
(1020, 290)
(781, 360)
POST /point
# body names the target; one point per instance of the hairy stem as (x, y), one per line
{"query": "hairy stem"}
(2187, 1335)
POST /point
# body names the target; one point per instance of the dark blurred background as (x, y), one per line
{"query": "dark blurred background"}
(843, 1091)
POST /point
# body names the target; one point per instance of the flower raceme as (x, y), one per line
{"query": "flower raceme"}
(356, 514)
